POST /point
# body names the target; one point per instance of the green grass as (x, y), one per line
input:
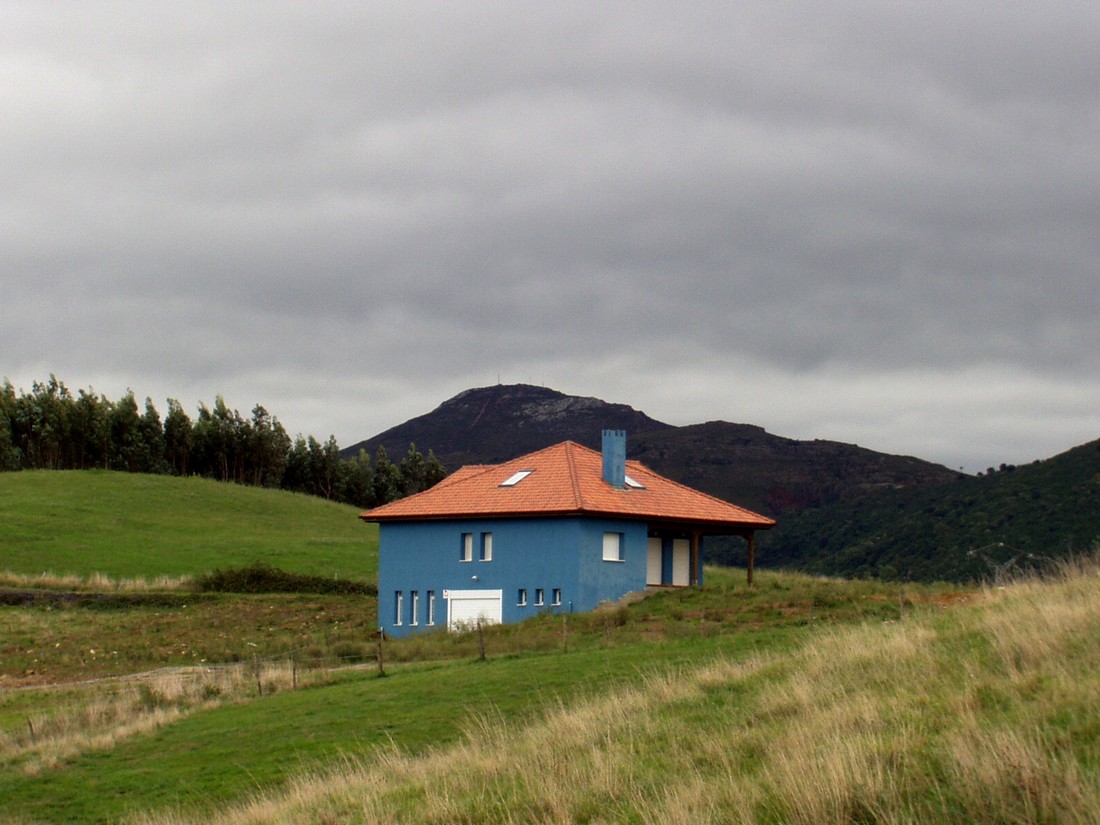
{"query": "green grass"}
(223, 755)
(46, 644)
(427, 703)
(986, 714)
(800, 699)
(128, 526)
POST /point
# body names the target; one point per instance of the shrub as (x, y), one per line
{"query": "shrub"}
(149, 698)
(260, 577)
(349, 652)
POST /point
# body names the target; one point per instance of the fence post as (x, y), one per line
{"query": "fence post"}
(378, 655)
(480, 641)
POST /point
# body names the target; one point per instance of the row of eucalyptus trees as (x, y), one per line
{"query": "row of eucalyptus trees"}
(50, 428)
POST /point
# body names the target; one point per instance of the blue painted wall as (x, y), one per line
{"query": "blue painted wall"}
(551, 553)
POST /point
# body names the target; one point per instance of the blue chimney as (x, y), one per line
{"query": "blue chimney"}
(614, 457)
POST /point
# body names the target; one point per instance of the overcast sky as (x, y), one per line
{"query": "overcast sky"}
(875, 222)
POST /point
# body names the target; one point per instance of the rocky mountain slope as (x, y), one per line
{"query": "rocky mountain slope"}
(842, 509)
(737, 462)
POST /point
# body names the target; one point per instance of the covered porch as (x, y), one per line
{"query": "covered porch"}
(673, 557)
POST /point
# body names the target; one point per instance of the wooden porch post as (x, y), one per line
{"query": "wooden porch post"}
(694, 555)
(751, 537)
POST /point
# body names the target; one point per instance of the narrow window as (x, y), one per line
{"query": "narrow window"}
(556, 597)
(612, 546)
(466, 549)
(414, 607)
(521, 597)
(398, 607)
(486, 547)
(538, 597)
(431, 608)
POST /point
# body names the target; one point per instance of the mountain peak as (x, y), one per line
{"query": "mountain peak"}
(541, 405)
(499, 422)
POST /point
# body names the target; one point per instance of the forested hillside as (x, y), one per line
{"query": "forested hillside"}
(984, 527)
(50, 428)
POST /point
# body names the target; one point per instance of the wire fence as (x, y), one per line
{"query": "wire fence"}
(296, 659)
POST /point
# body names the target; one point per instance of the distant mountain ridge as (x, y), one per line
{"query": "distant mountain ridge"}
(842, 509)
(741, 463)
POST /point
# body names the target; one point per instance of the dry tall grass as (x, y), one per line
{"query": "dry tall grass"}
(94, 583)
(985, 714)
(98, 715)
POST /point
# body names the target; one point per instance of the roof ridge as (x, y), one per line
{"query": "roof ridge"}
(571, 463)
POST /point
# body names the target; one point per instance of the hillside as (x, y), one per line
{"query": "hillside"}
(970, 528)
(985, 713)
(126, 525)
(737, 462)
(775, 475)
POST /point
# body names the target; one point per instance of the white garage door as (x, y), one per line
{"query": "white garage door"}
(466, 607)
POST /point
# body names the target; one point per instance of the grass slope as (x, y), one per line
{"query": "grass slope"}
(986, 714)
(799, 700)
(125, 525)
(218, 753)
(216, 757)
(50, 643)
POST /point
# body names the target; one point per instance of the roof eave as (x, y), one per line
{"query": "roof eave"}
(707, 524)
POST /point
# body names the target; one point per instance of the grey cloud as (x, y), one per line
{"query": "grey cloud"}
(422, 197)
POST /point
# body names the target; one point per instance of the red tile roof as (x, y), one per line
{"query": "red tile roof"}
(566, 479)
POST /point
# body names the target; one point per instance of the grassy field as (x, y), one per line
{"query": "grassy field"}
(799, 700)
(94, 751)
(140, 526)
(804, 701)
(989, 713)
(50, 643)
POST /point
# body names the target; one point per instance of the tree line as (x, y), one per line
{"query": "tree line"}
(50, 428)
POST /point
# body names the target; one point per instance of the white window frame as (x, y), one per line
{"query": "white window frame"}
(486, 551)
(613, 546)
(414, 608)
(540, 596)
(431, 608)
(467, 548)
(521, 597)
(555, 597)
(398, 607)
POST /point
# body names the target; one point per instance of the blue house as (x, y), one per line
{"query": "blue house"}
(561, 529)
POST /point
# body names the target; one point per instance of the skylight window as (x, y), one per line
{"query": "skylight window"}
(632, 483)
(516, 478)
